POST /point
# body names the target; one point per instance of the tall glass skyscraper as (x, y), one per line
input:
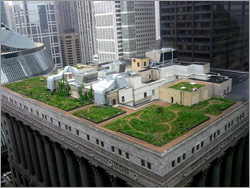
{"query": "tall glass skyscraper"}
(215, 32)
(124, 29)
(37, 20)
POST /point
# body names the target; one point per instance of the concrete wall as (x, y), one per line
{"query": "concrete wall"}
(128, 95)
(223, 88)
(146, 75)
(113, 95)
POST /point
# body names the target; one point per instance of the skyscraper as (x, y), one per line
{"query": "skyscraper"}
(87, 32)
(215, 32)
(124, 29)
(37, 21)
(67, 23)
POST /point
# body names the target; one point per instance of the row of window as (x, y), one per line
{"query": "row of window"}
(120, 152)
(179, 159)
(145, 164)
(69, 128)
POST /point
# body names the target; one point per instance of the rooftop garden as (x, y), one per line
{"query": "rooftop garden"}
(159, 125)
(36, 88)
(98, 114)
(185, 86)
(79, 67)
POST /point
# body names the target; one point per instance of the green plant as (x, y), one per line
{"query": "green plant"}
(80, 89)
(98, 113)
(36, 88)
(64, 88)
(160, 109)
(90, 94)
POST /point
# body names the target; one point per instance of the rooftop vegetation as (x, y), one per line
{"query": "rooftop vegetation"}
(36, 88)
(185, 86)
(159, 125)
(98, 114)
(79, 67)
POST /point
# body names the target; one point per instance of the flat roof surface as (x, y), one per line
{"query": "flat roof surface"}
(242, 80)
(213, 79)
(240, 84)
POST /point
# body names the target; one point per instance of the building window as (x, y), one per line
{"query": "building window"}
(173, 163)
(123, 99)
(214, 135)
(138, 64)
(142, 162)
(112, 148)
(202, 143)
(119, 152)
(31, 110)
(198, 147)
(97, 141)
(228, 125)
(77, 132)
(243, 115)
(66, 127)
(69, 128)
(134, 60)
(178, 159)
(127, 155)
(193, 150)
(145, 64)
(37, 113)
(218, 132)
(59, 123)
(184, 156)
(237, 119)
(232, 122)
(211, 137)
(145, 94)
(153, 92)
(225, 127)
(51, 119)
(102, 143)
(149, 165)
(88, 137)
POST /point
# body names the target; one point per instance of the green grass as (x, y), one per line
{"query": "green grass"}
(98, 113)
(36, 88)
(188, 86)
(150, 125)
(78, 67)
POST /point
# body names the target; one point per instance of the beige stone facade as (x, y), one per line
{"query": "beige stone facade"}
(186, 98)
(139, 64)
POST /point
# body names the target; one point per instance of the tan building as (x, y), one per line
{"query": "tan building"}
(139, 64)
(70, 49)
(184, 97)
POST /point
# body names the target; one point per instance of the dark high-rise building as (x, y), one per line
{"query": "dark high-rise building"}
(67, 23)
(215, 32)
